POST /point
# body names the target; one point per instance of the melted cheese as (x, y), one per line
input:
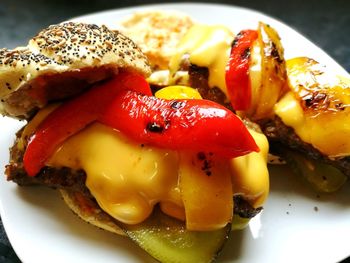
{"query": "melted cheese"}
(126, 179)
(317, 130)
(250, 175)
(207, 46)
(317, 106)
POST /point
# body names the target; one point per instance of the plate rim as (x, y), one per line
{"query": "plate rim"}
(152, 6)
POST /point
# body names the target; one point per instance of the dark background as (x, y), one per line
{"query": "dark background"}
(326, 23)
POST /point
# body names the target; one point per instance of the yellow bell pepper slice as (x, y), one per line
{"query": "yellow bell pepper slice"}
(205, 181)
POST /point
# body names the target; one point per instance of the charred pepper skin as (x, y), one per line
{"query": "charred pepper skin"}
(125, 103)
(194, 124)
(237, 72)
(74, 115)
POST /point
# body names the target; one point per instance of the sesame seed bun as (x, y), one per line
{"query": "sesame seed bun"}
(70, 57)
(90, 212)
(157, 33)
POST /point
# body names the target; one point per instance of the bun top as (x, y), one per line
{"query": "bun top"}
(69, 56)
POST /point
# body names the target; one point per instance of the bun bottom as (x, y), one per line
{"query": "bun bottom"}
(89, 211)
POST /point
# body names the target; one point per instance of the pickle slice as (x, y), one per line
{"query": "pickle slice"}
(167, 240)
(239, 223)
(322, 177)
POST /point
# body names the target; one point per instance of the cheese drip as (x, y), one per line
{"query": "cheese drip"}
(329, 133)
(317, 106)
(250, 175)
(207, 46)
(126, 178)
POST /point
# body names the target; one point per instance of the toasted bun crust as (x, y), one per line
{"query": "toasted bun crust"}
(58, 49)
(157, 33)
(90, 212)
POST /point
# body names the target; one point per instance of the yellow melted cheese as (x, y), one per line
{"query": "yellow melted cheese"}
(250, 175)
(317, 106)
(329, 133)
(128, 179)
(207, 46)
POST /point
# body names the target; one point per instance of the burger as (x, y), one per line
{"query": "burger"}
(290, 100)
(162, 168)
(309, 127)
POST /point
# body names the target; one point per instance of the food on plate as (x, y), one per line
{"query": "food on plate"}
(200, 60)
(248, 73)
(291, 101)
(311, 121)
(256, 72)
(160, 169)
(170, 163)
(68, 58)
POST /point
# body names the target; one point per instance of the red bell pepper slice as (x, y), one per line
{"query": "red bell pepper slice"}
(237, 70)
(74, 115)
(196, 124)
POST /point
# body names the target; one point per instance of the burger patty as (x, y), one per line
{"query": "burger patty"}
(64, 178)
(281, 137)
(198, 78)
(74, 180)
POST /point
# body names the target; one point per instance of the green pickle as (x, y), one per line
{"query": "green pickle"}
(323, 178)
(167, 240)
(239, 223)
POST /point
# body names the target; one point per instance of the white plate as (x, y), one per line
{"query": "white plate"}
(297, 225)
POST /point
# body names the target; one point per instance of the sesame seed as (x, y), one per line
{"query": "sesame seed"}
(66, 43)
(109, 44)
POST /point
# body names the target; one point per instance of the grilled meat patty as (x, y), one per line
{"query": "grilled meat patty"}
(281, 136)
(198, 78)
(74, 180)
